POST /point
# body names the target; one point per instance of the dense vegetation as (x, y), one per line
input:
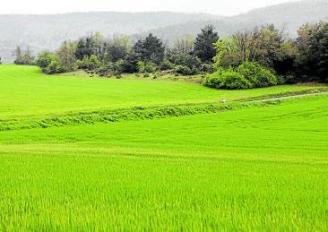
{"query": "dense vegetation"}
(250, 59)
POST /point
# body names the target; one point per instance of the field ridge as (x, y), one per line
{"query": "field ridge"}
(148, 113)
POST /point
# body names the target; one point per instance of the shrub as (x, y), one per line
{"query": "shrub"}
(104, 71)
(130, 64)
(166, 65)
(192, 63)
(206, 68)
(53, 67)
(89, 63)
(183, 70)
(227, 79)
(258, 75)
(149, 67)
(45, 58)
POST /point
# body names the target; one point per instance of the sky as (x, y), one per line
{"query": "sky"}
(219, 7)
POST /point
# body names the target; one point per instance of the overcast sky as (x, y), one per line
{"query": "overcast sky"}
(221, 7)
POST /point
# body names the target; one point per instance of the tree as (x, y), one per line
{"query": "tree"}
(265, 45)
(45, 58)
(66, 55)
(204, 44)
(91, 45)
(23, 57)
(117, 49)
(89, 63)
(312, 60)
(150, 49)
(227, 54)
(130, 64)
(184, 45)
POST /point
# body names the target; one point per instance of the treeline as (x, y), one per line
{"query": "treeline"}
(262, 57)
(266, 57)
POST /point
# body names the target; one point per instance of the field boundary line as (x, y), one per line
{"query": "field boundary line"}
(147, 113)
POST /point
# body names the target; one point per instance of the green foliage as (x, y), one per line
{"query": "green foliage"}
(117, 49)
(206, 68)
(53, 67)
(66, 55)
(130, 64)
(166, 65)
(91, 45)
(150, 49)
(312, 60)
(227, 79)
(89, 63)
(186, 64)
(146, 67)
(183, 70)
(45, 58)
(204, 45)
(303, 59)
(257, 75)
(245, 76)
(266, 46)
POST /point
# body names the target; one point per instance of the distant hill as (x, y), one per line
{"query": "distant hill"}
(48, 31)
(287, 16)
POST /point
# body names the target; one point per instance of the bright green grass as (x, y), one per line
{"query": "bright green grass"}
(254, 169)
(26, 92)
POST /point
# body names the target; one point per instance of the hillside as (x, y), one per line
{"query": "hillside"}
(48, 31)
(288, 16)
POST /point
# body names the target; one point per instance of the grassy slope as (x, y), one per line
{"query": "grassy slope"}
(261, 168)
(25, 92)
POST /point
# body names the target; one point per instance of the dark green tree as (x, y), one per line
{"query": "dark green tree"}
(91, 45)
(150, 49)
(117, 49)
(312, 60)
(204, 47)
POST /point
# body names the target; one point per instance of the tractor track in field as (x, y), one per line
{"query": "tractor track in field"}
(284, 96)
(148, 113)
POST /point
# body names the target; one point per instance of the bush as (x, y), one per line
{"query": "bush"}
(227, 79)
(186, 64)
(258, 75)
(166, 65)
(130, 64)
(206, 68)
(183, 70)
(45, 58)
(53, 67)
(89, 63)
(147, 67)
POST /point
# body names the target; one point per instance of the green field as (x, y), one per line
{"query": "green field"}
(26, 92)
(263, 167)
